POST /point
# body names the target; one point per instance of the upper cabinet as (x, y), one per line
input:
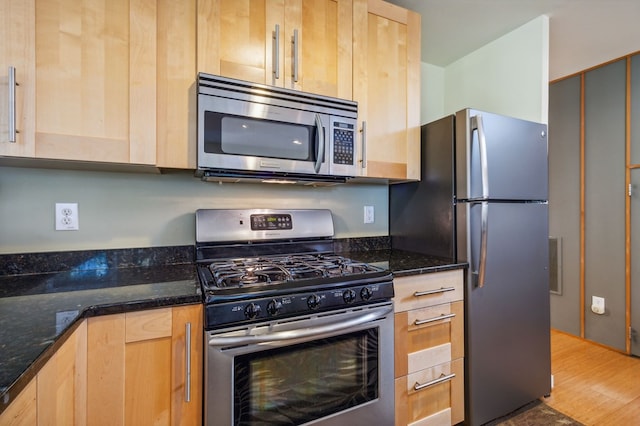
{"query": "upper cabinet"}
(99, 80)
(17, 76)
(299, 44)
(96, 80)
(387, 87)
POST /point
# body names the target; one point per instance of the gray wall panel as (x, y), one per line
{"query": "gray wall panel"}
(605, 91)
(635, 109)
(564, 199)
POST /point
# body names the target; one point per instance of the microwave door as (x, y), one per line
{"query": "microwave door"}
(243, 136)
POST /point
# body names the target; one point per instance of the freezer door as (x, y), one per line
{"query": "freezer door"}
(507, 316)
(500, 158)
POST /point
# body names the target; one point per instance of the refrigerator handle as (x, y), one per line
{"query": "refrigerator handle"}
(476, 124)
(484, 228)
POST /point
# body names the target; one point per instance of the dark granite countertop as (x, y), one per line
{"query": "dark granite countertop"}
(39, 310)
(403, 263)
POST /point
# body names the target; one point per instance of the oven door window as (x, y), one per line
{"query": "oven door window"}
(304, 382)
(245, 136)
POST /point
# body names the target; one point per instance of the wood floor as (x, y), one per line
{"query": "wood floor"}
(592, 384)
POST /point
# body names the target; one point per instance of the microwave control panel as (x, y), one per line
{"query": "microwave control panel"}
(343, 143)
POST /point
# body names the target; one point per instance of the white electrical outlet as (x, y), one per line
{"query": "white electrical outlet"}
(597, 305)
(368, 214)
(67, 217)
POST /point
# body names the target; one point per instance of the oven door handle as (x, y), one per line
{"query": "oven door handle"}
(319, 332)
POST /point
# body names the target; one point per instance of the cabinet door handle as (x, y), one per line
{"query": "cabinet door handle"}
(12, 104)
(436, 291)
(364, 144)
(294, 42)
(276, 52)
(187, 364)
(443, 378)
(428, 320)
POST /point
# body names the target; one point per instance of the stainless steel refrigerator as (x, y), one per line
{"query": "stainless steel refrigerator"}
(482, 199)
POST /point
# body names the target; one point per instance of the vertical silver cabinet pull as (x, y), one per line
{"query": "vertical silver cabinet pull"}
(442, 378)
(187, 364)
(364, 144)
(295, 43)
(12, 104)
(276, 53)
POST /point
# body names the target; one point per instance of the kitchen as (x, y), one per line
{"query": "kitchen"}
(124, 209)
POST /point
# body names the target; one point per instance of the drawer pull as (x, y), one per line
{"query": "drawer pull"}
(440, 318)
(428, 292)
(441, 379)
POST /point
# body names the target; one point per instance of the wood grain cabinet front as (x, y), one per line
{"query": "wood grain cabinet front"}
(429, 349)
(386, 79)
(298, 44)
(145, 368)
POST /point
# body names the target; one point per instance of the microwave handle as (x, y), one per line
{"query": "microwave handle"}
(321, 144)
(276, 53)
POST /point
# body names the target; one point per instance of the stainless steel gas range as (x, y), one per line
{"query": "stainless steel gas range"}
(295, 334)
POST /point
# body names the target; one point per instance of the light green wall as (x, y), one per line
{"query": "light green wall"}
(507, 76)
(127, 210)
(432, 95)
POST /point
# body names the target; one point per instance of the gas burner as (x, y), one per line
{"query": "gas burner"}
(273, 270)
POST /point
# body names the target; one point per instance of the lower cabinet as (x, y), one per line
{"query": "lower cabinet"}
(57, 395)
(429, 349)
(145, 367)
(136, 368)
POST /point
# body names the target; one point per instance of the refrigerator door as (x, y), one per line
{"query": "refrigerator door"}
(500, 158)
(508, 361)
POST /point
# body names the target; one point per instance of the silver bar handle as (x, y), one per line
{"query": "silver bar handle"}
(442, 378)
(276, 52)
(187, 390)
(438, 318)
(328, 329)
(435, 291)
(295, 42)
(12, 104)
(484, 232)
(476, 123)
(364, 144)
(321, 144)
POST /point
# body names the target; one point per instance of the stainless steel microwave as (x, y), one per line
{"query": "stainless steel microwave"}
(254, 131)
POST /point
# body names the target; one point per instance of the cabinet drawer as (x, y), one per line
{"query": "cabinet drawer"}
(417, 291)
(428, 336)
(439, 399)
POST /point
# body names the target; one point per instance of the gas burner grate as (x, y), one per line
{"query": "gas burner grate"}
(269, 270)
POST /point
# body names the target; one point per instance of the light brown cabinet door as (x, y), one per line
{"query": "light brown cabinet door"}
(96, 80)
(23, 409)
(176, 66)
(386, 57)
(62, 383)
(137, 368)
(17, 50)
(299, 44)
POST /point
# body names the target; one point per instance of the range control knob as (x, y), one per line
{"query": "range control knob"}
(313, 301)
(365, 293)
(349, 296)
(252, 310)
(273, 307)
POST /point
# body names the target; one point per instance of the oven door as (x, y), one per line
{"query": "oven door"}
(331, 369)
(246, 136)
